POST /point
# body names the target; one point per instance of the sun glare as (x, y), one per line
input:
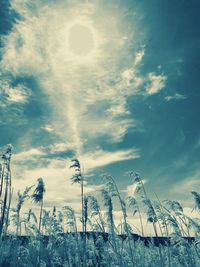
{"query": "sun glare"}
(81, 40)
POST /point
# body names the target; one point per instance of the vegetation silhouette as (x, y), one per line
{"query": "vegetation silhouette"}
(53, 238)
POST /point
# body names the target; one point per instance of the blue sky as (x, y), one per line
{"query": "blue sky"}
(131, 103)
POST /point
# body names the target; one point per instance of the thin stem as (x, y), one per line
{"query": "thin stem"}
(40, 218)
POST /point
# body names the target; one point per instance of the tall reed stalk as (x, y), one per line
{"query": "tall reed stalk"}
(7, 186)
(115, 192)
(38, 197)
(78, 178)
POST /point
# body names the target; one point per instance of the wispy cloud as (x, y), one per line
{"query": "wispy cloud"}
(176, 96)
(59, 188)
(29, 154)
(188, 184)
(139, 56)
(155, 83)
(43, 155)
(12, 101)
(131, 189)
(43, 162)
(91, 160)
(185, 186)
(13, 95)
(48, 128)
(101, 158)
(83, 95)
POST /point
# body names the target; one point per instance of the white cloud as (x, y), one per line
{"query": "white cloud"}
(12, 100)
(48, 128)
(59, 188)
(101, 158)
(139, 56)
(47, 153)
(183, 188)
(91, 160)
(131, 78)
(187, 185)
(176, 96)
(18, 95)
(118, 109)
(155, 83)
(83, 94)
(130, 189)
(57, 174)
(28, 154)
(13, 95)
(60, 147)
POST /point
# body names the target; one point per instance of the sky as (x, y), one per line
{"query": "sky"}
(113, 83)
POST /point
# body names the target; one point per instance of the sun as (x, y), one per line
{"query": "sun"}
(80, 42)
(81, 39)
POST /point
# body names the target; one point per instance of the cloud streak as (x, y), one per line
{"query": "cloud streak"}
(176, 96)
(92, 160)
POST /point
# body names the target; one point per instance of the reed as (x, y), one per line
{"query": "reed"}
(52, 237)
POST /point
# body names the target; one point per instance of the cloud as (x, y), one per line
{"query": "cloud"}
(139, 56)
(60, 147)
(130, 189)
(52, 164)
(40, 156)
(185, 186)
(176, 96)
(31, 153)
(56, 152)
(131, 78)
(46, 162)
(84, 94)
(101, 158)
(13, 99)
(48, 128)
(13, 95)
(59, 188)
(87, 96)
(155, 83)
(56, 172)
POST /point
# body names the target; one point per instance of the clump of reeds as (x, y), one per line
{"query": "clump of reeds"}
(53, 238)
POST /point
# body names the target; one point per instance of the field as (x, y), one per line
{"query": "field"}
(53, 237)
